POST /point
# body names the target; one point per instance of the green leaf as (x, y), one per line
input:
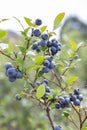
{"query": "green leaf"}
(66, 114)
(39, 60)
(33, 67)
(72, 79)
(73, 45)
(58, 20)
(19, 61)
(4, 19)
(40, 73)
(84, 128)
(22, 49)
(29, 21)
(43, 28)
(40, 91)
(3, 33)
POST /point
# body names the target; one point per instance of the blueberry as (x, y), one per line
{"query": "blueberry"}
(17, 97)
(80, 97)
(57, 127)
(46, 63)
(73, 98)
(50, 58)
(77, 102)
(58, 105)
(11, 79)
(45, 96)
(37, 32)
(46, 70)
(19, 74)
(38, 49)
(38, 82)
(45, 81)
(67, 102)
(11, 72)
(76, 91)
(53, 50)
(34, 46)
(47, 89)
(38, 21)
(49, 43)
(8, 65)
(42, 43)
(44, 36)
(52, 65)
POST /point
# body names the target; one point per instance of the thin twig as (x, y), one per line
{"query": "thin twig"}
(6, 55)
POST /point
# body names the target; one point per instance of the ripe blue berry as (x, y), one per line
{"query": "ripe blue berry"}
(11, 79)
(57, 127)
(77, 102)
(11, 72)
(45, 70)
(17, 97)
(38, 82)
(38, 21)
(37, 32)
(46, 63)
(34, 46)
(80, 97)
(53, 50)
(42, 43)
(58, 106)
(44, 36)
(50, 58)
(45, 81)
(52, 65)
(76, 91)
(47, 89)
(19, 74)
(8, 65)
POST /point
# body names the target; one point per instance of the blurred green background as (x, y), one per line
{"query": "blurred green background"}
(27, 114)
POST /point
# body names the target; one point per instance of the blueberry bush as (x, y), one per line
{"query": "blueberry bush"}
(46, 70)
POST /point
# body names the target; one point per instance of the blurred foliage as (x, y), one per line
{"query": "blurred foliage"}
(28, 114)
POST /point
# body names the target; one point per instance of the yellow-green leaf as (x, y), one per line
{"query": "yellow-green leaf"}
(40, 91)
(3, 33)
(39, 60)
(73, 45)
(29, 21)
(72, 79)
(58, 20)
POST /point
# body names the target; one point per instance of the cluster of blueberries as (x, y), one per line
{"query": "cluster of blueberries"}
(12, 73)
(57, 127)
(48, 64)
(65, 101)
(52, 44)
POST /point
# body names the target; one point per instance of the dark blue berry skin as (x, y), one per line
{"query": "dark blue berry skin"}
(45, 81)
(57, 127)
(38, 50)
(38, 82)
(76, 91)
(45, 96)
(49, 43)
(67, 102)
(44, 36)
(36, 32)
(46, 63)
(47, 89)
(50, 58)
(46, 70)
(38, 21)
(19, 74)
(80, 97)
(42, 43)
(57, 105)
(73, 98)
(17, 97)
(52, 65)
(12, 72)
(34, 46)
(8, 65)
(53, 50)
(77, 102)
(11, 79)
